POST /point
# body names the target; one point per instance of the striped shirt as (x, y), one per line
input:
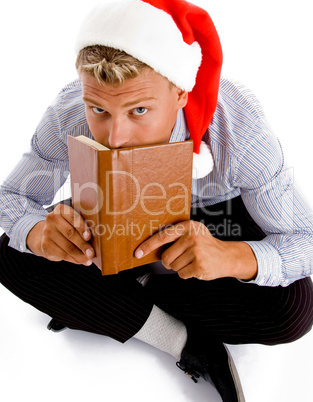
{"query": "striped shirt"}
(248, 161)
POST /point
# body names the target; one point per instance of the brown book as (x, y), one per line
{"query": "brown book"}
(126, 195)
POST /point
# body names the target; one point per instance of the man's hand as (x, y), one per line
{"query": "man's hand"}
(64, 235)
(197, 254)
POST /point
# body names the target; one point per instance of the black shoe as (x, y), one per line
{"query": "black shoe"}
(215, 365)
(55, 326)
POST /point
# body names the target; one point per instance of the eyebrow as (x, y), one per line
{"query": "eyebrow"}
(127, 104)
(91, 101)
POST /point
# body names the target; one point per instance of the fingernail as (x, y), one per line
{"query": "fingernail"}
(139, 254)
(88, 263)
(86, 235)
(89, 253)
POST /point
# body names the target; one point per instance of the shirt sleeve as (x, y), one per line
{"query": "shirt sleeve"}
(41, 171)
(276, 205)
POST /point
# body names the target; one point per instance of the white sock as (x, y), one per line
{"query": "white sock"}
(164, 332)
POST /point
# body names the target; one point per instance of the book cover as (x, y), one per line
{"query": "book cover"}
(126, 195)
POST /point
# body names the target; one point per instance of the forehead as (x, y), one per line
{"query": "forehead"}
(149, 83)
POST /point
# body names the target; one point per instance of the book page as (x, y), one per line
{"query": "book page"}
(92, 143)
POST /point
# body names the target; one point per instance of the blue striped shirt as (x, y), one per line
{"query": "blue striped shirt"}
(248, 161)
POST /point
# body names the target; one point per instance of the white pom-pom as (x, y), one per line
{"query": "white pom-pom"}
(203, 162)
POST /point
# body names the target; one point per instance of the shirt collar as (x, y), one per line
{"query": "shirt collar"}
(180, 131)
(203, 162)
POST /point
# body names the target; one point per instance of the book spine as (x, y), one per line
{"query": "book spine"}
(95, 218)
(106, 219)
(84, 179)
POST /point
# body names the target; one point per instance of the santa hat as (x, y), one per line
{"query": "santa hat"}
(179, 41)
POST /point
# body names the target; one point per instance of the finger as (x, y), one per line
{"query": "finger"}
(60, 249)
(75, 247)
(189, 272)
(73, 228)
(76, 220)
(176, 257)
(165, 236)
(171, 257)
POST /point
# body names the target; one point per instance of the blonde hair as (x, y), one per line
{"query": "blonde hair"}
(108, 65)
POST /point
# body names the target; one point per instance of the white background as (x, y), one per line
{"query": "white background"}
(268, 47)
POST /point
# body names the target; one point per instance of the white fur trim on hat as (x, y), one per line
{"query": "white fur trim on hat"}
(203, 162)
(146, 33)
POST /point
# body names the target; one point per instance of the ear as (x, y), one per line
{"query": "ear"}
(182, 98)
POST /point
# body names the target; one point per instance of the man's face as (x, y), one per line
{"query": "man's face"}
(140, 111)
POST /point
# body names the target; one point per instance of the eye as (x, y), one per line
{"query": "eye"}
(98, 110)
(139, 111)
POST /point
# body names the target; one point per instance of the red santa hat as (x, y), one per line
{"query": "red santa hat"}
(179, 41)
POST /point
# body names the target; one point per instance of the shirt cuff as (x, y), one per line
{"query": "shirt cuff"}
(269, 263)
(20, 232)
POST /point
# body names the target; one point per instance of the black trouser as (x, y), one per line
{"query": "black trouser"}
(117, 306)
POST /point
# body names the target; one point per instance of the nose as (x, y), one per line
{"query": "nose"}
(119, 134)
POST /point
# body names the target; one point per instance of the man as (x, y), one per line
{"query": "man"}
(161, 87)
